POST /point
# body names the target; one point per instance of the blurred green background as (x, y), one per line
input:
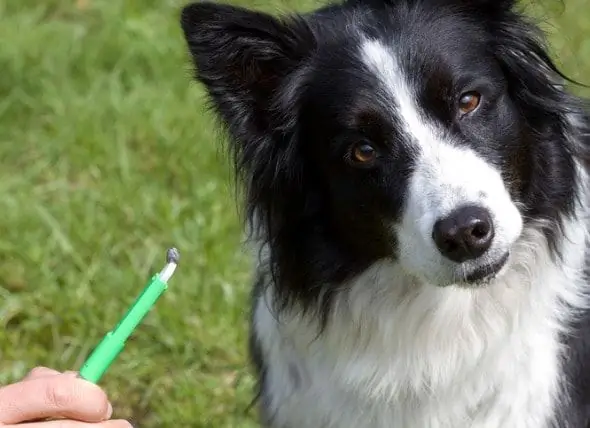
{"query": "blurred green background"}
(107, 158)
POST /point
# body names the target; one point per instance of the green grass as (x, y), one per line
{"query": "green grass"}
(107, 158)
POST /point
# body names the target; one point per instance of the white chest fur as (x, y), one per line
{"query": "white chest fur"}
(401, 354)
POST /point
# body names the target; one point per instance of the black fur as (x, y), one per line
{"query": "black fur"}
(293, 96)
(252, 66)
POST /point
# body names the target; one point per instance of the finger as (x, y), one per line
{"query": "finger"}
(115, 423)
(62, 396)
(38, 372)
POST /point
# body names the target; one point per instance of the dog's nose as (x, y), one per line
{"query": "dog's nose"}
(464, 234)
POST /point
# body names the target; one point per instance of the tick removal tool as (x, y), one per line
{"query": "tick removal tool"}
(114, 341)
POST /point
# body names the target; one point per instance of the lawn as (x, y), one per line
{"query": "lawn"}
(108, 157)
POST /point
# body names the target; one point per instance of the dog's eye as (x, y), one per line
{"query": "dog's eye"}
(363, 154)
(468, 102)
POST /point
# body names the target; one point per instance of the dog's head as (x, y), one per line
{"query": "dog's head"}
(427, 132)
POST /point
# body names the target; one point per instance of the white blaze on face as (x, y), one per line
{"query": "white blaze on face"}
(446, 176)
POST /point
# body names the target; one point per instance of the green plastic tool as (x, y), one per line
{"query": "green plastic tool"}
(114, 341)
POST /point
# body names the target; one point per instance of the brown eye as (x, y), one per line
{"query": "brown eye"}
(468, 102)
(363, 153)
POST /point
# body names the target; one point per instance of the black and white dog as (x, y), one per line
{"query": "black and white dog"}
(417, 185)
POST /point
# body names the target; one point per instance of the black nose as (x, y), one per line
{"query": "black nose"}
(464, 234)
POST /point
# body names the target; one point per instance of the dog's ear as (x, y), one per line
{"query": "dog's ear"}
(487, 8)
(242, 56)
(521, 51)
(483, 5)
(491, 4)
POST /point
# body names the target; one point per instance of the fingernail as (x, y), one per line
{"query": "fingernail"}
(109, 411)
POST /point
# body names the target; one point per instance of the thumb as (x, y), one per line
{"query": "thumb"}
(57, 396)
(40, 371)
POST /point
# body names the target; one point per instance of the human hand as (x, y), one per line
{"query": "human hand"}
(67, 400)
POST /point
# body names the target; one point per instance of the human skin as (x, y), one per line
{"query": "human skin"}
(46, 398)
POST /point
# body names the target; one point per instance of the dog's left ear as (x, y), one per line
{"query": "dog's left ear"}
(498, 4)
(483, 5)
(487, 7)
(242, 56)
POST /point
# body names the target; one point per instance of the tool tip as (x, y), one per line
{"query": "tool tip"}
(172, 255)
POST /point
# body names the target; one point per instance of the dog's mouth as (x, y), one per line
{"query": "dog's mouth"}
(486, 273)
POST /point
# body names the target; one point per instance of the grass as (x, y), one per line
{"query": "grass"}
(108, 157)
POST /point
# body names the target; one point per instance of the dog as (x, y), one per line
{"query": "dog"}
(415, 178)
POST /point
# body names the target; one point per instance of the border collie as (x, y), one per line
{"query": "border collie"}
(417, 190)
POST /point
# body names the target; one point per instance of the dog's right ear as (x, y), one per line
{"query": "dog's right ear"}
(242, 56)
